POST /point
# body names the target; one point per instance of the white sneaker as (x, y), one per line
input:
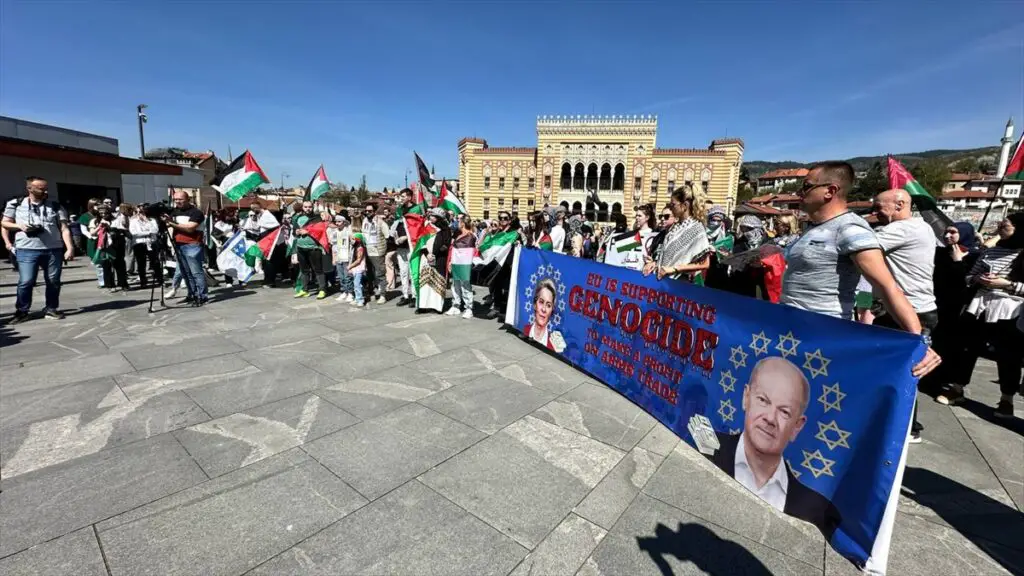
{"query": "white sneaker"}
(453, 311)
(357, 304)
(467, 315)
(382, 300)
(342, 298)
(171, 293)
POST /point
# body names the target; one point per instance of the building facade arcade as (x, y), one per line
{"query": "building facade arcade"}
(576, 156)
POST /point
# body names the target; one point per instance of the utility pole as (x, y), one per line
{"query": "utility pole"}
(406, 177)
(283, 176)
(142, 120)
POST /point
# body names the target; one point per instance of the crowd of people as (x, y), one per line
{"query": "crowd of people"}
(962, 294)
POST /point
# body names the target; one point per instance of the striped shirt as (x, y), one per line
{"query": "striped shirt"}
(998, 304)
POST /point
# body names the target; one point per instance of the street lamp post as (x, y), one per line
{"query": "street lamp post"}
(283, 176)
(142, 120)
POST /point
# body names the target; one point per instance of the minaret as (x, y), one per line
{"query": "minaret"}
(1004, 152)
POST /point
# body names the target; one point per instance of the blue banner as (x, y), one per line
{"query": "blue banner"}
(809, 412)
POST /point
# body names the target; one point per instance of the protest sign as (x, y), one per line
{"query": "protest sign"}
(820, 407)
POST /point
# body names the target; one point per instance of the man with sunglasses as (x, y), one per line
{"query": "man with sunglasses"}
(824, 266)
(375, 231)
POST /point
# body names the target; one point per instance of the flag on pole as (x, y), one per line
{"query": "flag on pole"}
(263, 247)
(318, 185)
(449, 201)
(208, 227)
(426, 178)
(1015, 169)
(233, 259)
(243, 176)
(900, 177)
(492, 254)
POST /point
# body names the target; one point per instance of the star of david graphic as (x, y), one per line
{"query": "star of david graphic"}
(738, 357)
(533, 278)
(735, 431)
(821, 369)
(726, 410)
(550, 270)
(789, 350)
(727, 381)
(561, 305)
(759, 343)
(842, 435)
(811, 457)
(558, 276)
(836, 393)
(796, 473)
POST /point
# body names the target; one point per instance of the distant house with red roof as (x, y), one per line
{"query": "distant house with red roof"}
(206, 162)
(776, 179)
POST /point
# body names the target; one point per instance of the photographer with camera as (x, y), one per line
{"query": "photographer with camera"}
(42, 240)
(185, 225)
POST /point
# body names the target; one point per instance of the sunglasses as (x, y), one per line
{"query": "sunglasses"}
(504, 219)
(664, 216)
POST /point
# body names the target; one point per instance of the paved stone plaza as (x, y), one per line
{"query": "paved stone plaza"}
(266, 435)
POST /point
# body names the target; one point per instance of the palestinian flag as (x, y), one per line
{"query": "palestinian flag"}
(625, 250)
(449, 201)
(630, 243)
(1015, 169)
(243, 176)
(492, 254)
(462, 263)
(545, 243)
(318, 185)
(900, 177)
(420, 233)
(426, 178)
(317, 230)
(263, 247)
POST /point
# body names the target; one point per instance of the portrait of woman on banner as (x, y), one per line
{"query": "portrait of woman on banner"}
(539, 330)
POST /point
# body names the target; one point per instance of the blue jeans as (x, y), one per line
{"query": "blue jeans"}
(190, 262)
(29, 262)
(357, 285)
(344, 277)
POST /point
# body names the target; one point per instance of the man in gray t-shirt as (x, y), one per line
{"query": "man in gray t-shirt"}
(42, 240)
(909, 247)
(821, 275)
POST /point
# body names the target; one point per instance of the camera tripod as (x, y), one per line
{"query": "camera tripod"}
(164, 249)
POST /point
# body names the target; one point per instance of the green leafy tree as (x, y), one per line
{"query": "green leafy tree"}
(932, 175)
(792, 187)
(363, 193)
(744, 193)
(872, 183)
(967, 166)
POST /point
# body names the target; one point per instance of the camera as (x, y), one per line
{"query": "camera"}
(156, 211)
(33, 230)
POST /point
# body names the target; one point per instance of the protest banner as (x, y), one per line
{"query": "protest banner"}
(823, 405)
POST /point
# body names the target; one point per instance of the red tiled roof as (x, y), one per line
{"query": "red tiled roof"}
(965, 195)
(773, 198)
(687, 152)
(473, 140)
(727, 141)
(201, 156)
(763, 199)
(761, 210)
(784, 173)
(508, 150)
(786, 198)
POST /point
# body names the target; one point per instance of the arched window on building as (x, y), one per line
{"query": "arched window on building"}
(565, 205)
(591, 214)
(616, 208)
(566, 178)
(578, 176)
(619, 178)
(605, 181)
(577, 208)
(591, 177)
(602, 212)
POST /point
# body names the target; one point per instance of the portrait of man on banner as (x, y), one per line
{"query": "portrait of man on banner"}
(774, 402)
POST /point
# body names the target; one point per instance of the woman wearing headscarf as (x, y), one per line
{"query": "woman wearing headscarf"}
(432, 279)
(686, 247)
(991, 316)
(575, 233)
(718, 234)
(621, 226)
(751, 233)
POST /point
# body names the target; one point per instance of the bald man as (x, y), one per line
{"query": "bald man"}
(908, 244)
(774, 402)
(185, 225)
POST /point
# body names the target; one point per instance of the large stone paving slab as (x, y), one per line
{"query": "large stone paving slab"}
(42, 505)
(184, 376)
(32, 353)
(653, 538)
(240, 439)
(564, 550)
(113, 421)
(380, 454)
(376, 394)
(355, 363)
(599, 412)
(62, 373)
(74, 554)
(610, 498)
(239, 393)
(144, 357)
(230, 524)
(525, 479)
(289, 353)
(22, 409)
(412, 530)
(688, 481)
(488, 403)
(260, 337)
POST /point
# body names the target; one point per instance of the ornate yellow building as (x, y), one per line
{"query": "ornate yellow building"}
(614, 155)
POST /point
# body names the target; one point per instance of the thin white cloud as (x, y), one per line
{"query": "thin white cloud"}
(663, 105)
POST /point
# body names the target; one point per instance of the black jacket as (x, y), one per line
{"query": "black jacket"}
(801, 501)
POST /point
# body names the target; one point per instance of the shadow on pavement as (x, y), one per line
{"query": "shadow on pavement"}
(970, 513)
(986, 413)
(699, 545)
(8, 336)
(106, 305)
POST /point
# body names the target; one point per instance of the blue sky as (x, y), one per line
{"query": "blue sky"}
(358, 86)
